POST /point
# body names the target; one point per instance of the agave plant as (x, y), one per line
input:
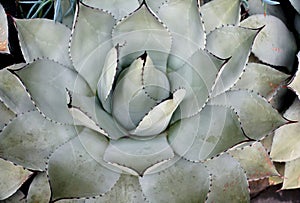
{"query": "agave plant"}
(135, 105)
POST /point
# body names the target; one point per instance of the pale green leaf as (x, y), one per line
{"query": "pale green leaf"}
(4, 31)
(74, 173)
(187, 33)
(11, 178)
(17, 197)
(157, 120)
(286, 142)
(30, 138)
(275, 44)
(296, 5)
(118, 8)
(37, 42)
(138, 155)
(39, 189)
(181, 182)
(139, 32)
(207, 134)
(254, 159)
(220, 12)
(228, 180)
(295, 84)
(257, 116)
(6, 115)
(47, 81)
(234, 42)
(292, 175)
(90, 42)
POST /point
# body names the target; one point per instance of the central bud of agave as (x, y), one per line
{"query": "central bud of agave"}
(138, 97)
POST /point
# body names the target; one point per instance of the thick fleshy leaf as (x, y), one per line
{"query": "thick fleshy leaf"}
(157, 120)
(295, 84)
(17, 197)
(286, 142)
(89, 55)
(13, 93)
(3, 31)
(220, 12)
(296, 5)
(260, 78)
(207, 134)
(254, 159)
(228, 180)
(292, 174)
(181, 182)
(46, 82)
(37, 42)
(257, 116)
(187, 33)
(197, 76)
(118, 8)
(39, 189)
(6, 115)
(68, 168)
(275, 44)
(139, 32)
(30, 138)
(220, 42)
(11, 178)
(138, 154)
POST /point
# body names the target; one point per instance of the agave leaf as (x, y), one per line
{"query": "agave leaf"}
(181, 182)
(68, 168)
(292, 174)
(4, 32)
(29, 139)
(157, 120)
(257, 116)
(254, 159)
(89, 55)
(187, 33)
(6, 115)
(12, 177)
(17, 197)
(118, 8)
(39, 189)
(220, 42)
(197, 77)
(220, 12)
(260, 78)
(47, 81)
(37, 42)
(275, 44)
(207, 134)
(295, 84)
(138, 154)
(227, 179)
(139, 32)
(287, 135)
(296, 5)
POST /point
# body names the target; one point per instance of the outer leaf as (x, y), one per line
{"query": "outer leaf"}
(228, 181)
(4, 31)
(220, 12)
(296, 5)
(207, 134)
(47, 82)
(118, 8)
(295, 85)
(288, 135)
(182, 182)
(139, 32)
(17, 197)
(257, 116)
(138, 154)
(29, 139)
(260, 78)
(275, 44)
(254, 159)
(39, 190)
(67, 171)
(187, 33)
(12, 177)
(88, 55)
(292, 174)
(220, 42)
(13, 94)
(37, 42)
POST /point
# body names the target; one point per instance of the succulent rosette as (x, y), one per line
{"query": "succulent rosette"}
(141, 101)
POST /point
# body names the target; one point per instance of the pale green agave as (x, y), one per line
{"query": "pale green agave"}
(142, 102)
